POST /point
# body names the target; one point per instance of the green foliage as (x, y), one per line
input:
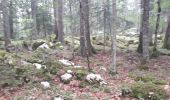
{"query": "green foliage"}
(148, 91)
(148, 79)
(80, 74)
(126, 90)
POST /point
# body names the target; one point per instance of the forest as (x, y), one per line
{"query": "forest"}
(84, 49)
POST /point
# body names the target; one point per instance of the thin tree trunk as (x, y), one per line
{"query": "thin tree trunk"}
(114, 18)
(55, 19)
(139, 49)
(6, 24)
(167, 36)
(145, 30)
(71, 28)
(157, 24)
(11, 19)
(60, 21)
(34, 17)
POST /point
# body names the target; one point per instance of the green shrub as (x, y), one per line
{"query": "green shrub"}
(80, 74)
(148, 91)
(148, 79)
(126, 90)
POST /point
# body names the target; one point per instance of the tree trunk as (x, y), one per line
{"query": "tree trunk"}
(6, 24)
(157, 24)
(85, 29)
(34, 17)
(139, 49)
(167, 36)
(60, 21)
(145, 30)
(55, 19)
(11, 19)
(114, 18)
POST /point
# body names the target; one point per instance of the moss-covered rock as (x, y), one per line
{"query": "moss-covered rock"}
(36, 44)
(148, 91)
(80, 74)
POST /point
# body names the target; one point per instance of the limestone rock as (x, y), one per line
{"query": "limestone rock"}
(66, 78)
(92, 78)
(45, 84)
(66, 62)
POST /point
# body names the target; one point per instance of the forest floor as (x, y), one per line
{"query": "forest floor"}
(127, 64)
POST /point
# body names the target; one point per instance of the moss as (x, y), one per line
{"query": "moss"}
(83, 84)
(148, 91)
(3, 54)
(36, 44)
(148, 79)
(126, 90)
(80, 74)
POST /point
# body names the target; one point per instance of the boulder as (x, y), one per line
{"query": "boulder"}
(45, 84)
(66, 62)
(36, 44)
(95, 78)
(38, 66)
(58, 98)
(44, 46)
(66, 78)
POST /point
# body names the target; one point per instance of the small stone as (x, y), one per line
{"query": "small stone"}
(70, 72)
(44, 46)
(45, 84)
(78, 66)
(66, 62)
(95, 77)
(66, 78)
(58, 98)
(38, 66)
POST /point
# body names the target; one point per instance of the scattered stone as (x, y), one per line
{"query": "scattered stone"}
(92, 78)
(44, 46)
(104, 69)
(24, 62)
(58, 98)
(45, 84)
(61, 47)
(70, 72)
(78, 66)
(66, 62)
(38, 66)
(66, 78)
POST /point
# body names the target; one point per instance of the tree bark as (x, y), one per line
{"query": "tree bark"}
(157, 24)
(167, 36)
(11, 19)
(114, 23)
(6, 24)
(85, 29)
(34, 17)
(55, 19)
(139, 49)
(60, 21)
(145, 30)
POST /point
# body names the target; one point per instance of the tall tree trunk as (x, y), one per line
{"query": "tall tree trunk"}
(6, 24)
(11, 19)
(145, 30)
(60, 21)
(85, 29)
(104, 28)
(114, 23)
(71, 28)
(55, 19)
(34, 17)
(139, 49)
(167, 36)
(157, 24)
